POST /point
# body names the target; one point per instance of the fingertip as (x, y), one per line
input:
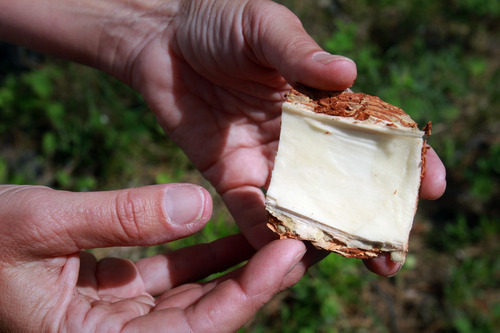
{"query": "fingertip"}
(186, 204)
(434, 180)
(338, 71)
(290, 250)
(311, 256)
(322, 70)
(346, 73)
(207, 204)
(273, 268)
(383, 265)
(282, 254)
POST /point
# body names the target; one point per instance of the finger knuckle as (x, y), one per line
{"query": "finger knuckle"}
(130, 213)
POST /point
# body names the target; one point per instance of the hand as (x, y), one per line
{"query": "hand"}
(217, 83)
(48, 283)
(213, 71)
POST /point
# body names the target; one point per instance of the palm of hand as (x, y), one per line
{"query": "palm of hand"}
(217, 83)
(221, 105)
(216, 77)
(116, 293)
(79, 294)
(45, 275)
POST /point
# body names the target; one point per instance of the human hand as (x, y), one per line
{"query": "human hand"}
(213, 71)
(217, 85)
(48, 283)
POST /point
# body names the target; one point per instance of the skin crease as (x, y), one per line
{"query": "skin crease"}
(214, 72)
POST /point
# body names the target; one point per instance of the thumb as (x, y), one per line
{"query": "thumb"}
(54, 222)
(283, 43)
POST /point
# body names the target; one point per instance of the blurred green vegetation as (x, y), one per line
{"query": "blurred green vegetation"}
(73, 128)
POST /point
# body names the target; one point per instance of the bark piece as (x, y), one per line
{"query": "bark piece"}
(347, 173)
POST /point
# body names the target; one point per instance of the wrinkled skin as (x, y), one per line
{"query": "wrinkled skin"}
(223, 108)
(214, 72)
(49, 284)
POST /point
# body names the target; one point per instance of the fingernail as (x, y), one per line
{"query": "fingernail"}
(184, 204)
(296, 260)
(325, 57)
(396, 272)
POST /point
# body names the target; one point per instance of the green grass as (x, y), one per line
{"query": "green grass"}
(73, 128)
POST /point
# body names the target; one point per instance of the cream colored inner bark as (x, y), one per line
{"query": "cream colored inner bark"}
(362, 179)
